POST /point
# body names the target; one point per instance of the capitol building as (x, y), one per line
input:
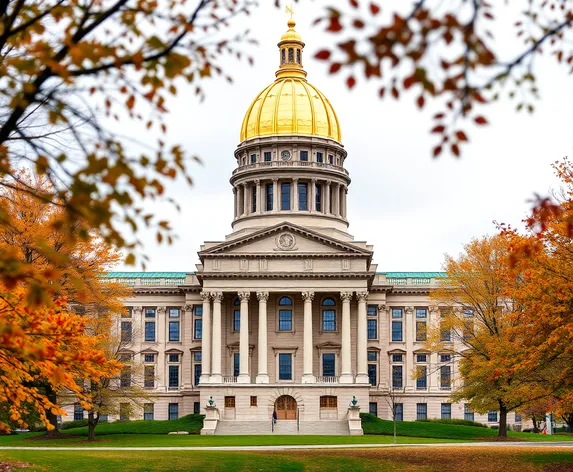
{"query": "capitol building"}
(288, 314)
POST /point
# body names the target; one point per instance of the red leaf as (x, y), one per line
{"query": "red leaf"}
(456, 150)
(354, 3)
(421, 101)
(438, 129)
(461, 136)
(334, 25)
(358, 24)
(323, 55)
(437, 151)
(335, 67)
(480, 120)
(381, 92)
(409, 81)
(351, 81)
(395, 92)
(374, 9)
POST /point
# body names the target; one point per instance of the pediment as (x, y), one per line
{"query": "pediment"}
(285, 239)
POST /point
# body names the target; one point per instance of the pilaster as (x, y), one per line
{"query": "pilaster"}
(308, 376)
(244, 375)
(262, 374)
(361, 340)
(345, 355)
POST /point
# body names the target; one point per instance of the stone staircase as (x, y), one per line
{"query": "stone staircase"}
(331, 427)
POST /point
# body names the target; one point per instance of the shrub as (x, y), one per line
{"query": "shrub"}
(74, 424)
(454, 421)
(190, 423)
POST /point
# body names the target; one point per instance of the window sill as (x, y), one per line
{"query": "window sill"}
(329, 332)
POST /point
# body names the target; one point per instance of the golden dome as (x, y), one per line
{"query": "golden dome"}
(290, 105)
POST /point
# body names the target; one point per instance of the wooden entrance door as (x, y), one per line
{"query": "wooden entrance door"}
(285, 407)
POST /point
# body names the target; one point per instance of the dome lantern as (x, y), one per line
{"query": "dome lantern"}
(290, 48)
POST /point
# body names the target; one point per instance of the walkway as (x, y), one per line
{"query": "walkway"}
(564, 444)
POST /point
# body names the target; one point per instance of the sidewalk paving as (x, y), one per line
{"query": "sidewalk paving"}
(564, 444)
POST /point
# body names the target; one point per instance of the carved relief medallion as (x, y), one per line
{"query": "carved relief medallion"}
(286, 241)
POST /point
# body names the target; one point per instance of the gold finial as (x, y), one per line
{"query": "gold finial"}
(290, 9)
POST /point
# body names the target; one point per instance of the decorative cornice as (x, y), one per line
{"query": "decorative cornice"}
(308, 296)
(288, 275)
(244, 296)
(263, 296)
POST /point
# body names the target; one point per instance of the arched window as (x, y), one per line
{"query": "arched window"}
(290, 55)
(285, 314)
(298, 56)
(328, 315)
(237, 315)
(283, 56)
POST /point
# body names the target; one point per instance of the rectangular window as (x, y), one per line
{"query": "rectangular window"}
(198, 310)
(148, 411)
(229, 402)
(236, 364)
(285, 196)
(125, 377)
(330, 159)
(421, 332)
(303, 197)
(372, 329)
(397, 357)
(422, 377)
(304, 155)
(149, 376)
(445, 357)
(196, 408)
(445, 333)
(319, 157)
(285, 366)
(173, 411)
(174, 312)
(396, 331)
(253, 400)
(421, 411)
(372, 356)
(285, 320)
(373, 408)
(268, 156)
(446, 411)
(468, 413)
(318, 197)
(236, 320)
(124, 411)
(196, 374)
(149, 358)
(150, 331)
(421, 313)
(254, 199)
(270, 196)
(253, 158)
(396, 312)
(173, 358)
(328, 365)
(328, 320)
(173, 376)
(492, 416)
(198, 329)
(517, 418)
(372, 310)
(126, 331)
(372, 374)
(421, 358)
(78, 412)
(445, 377)
(197, 356)
(399, 409)
(396, 376)
(150, 312)
(328, 401)
(174, 331)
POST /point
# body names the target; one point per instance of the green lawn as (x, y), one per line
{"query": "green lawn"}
(494, 459)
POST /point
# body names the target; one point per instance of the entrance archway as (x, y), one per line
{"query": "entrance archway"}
(285, 406)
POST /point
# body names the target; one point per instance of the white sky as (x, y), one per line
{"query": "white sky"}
(413, 209)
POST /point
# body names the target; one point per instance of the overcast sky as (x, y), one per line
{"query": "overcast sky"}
(413, 209)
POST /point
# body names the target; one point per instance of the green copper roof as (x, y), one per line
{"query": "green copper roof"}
(147, 275)
(417, 275)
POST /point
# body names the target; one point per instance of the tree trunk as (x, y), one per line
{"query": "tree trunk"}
(535, 424)
(569, 421)
(52, 418)
(502, 421)
(92, 423)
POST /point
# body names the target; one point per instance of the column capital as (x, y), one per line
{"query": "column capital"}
(161, 310)
(308, 296)
(313, 181)
(244, 296)
(409, 310)
(434, 308)
(362, 296)
(328, 182)
(263, 296)
(384, 308)
(188, 307)
(295, 179)
(346, 296)
(137, 309)
(234, 190)
(217, 296)
(205, 295)
(257, 181)
(275, 180)
(244, 184)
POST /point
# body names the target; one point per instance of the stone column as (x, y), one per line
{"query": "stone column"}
(433, 323)
(262, 375)
(276, 195)
(408, 337)
(307, 375)
(235, 202)
(206, 339)
(244, 375)
(345, 355)
(216, 376)
(295, 194)
(259, 197)
(326, 202)
(187, 338)
(336, 200)
(161, 333)
(384, 334)
(312, 203)
(362, 340)
(344, 201)
(245, 199)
